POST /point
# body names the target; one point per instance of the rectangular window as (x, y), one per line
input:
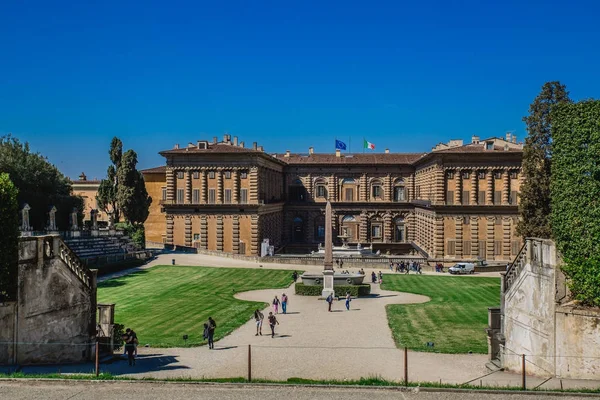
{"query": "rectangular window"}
(399, 194)
(211, 196)
(227, 193)
(489, 145)
(196, 237)
(498, 197)
(180, 175)
(497, 247)
(196, 196)
(513, 197)
(376, 231)
(227, 174)
(466, 175)
(515, 247)
(349, 194)
(466, 247)
(243, 175)
(514, 174)
(321, 191)
(451, 247)
(376, 192)
(481, 174)
(179, 196)
(466, 197)
(481, 199)
(211, 174)
(244, 196)
(450, 175)
(450, 197)
(482, 248)
(164, 193)
(320, 231)
(497, 175)
(196, 175)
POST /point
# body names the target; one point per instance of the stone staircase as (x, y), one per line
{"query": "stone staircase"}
(89, 247)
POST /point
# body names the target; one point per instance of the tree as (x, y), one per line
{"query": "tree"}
(534, 199)
(9, 245)
(40, 184)
(575, 190)
(132, 197)
(107, 192)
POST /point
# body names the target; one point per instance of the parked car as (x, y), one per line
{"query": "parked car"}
(462, 268)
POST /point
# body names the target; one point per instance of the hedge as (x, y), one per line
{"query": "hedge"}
(9, 239)
(575, 196)
(315, 290)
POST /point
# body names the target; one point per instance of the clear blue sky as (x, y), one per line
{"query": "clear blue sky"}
(289, 75)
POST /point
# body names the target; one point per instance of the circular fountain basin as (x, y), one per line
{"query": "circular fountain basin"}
(339, 279)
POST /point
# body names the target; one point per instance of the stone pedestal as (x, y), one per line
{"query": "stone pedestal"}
(95, 232)
(327, 284)
(76, 233)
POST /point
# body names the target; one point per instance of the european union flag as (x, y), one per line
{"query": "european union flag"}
(339, 145)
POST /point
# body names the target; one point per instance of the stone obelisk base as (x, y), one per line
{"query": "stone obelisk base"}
(327, 284)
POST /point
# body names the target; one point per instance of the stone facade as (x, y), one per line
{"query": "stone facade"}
(88, 189)
(455, 202)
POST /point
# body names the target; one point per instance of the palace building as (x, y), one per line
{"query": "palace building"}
(456, 202)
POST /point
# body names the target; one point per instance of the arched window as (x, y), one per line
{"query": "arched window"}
(376, 189)
(321, 188)
(399, 230)
(349, 228)
(320, 228)
(348, 218)
(348, 181)
(348, 186)
(297, 191)
(376, 229)
(399, 190)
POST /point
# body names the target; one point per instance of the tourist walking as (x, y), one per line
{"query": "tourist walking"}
(295, 276)
(276, 303)
(129, 342)
(348, 299)
(212, 325)
(391, 266)
(419, 268)
(329, 301)
(284, 301)
(380, 278)
(258, 317)
(373, 277)
(272, 322)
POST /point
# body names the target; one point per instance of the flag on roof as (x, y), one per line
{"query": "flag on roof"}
(339, 145)
(369, 145)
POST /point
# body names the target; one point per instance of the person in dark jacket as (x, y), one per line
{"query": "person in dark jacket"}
(212, 325)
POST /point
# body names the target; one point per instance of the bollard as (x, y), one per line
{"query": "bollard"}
(405, 366)
(97, 358)
(249, 363)
(524, 383)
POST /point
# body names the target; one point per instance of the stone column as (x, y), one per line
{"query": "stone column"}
(474, 187)
(170, 226)
(254, 233)
(188, 230)
(363, 228)
(505, 187)
(458, 221)
(203, 187)
(219, 187)
(506, 223)
(490, 238)
(489, 194)
(458, 189)
(254, 187)
(388, 230)
(204, 232)
(219, 233)
(438, 237)
(235, 235)
(387, 188)
(475, 236)
(170, 177)
(235, 195)
(188, 186)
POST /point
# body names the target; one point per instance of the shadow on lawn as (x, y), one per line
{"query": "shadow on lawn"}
(121, 280)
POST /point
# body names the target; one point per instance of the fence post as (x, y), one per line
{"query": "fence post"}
(97, 357)
(249, 363)
(405, 366)
(524, 382)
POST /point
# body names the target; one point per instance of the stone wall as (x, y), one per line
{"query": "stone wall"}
(7, 332)
(557, 340)
(56, 304)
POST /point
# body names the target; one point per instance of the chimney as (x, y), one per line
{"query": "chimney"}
(387, 151)
(225, 138)
(176, 146)
(287, 154)
(235, 140)
(260, 148)
(475, 139)
(514, 139)
(311, 150)
(215, 139)
(241, 144)
(254, 145)
(338, 153)
(508, 136)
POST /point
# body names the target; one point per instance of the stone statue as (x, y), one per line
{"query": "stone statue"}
(25, 227)
(74, 218)
(52, 219)
(94, 217)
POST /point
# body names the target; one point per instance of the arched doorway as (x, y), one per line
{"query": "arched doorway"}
(399, 230)
(349, 228)
(297, 191)
(298, 230)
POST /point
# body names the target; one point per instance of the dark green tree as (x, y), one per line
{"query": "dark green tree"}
(107, 192)
(40, 183)
(132, 197)
(534, 198)
(9, 245)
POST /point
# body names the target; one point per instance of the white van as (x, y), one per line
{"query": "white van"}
(462, 268)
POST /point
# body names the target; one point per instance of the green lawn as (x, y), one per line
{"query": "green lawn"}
(164, 303)
(455, 318)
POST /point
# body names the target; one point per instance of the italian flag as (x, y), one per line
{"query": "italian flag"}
(369, 145)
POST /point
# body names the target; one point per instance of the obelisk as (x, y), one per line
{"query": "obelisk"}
(328, 261)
